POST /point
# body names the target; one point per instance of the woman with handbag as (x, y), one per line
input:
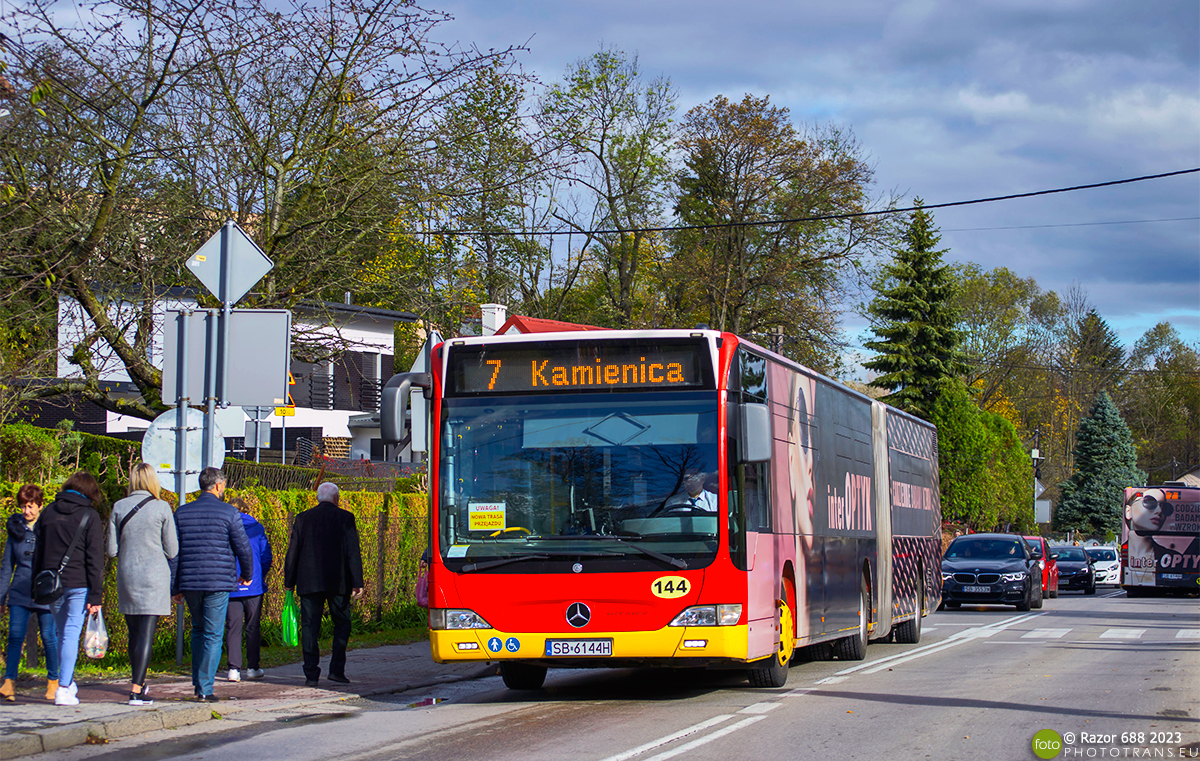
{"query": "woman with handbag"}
(68, 564)
(16, 581)
(141, 530)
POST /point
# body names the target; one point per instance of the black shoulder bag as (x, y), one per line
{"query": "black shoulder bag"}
(133, 512)
(47, 585)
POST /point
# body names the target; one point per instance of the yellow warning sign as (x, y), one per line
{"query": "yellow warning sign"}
(486, 516)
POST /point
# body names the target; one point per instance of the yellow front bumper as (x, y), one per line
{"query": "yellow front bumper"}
(719, 642)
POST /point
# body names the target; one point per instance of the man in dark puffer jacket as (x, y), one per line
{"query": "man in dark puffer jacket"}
(212, 545)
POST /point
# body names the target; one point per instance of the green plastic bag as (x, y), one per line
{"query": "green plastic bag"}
(291, 620)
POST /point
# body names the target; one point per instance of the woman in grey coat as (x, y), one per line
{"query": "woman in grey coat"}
(141, 531)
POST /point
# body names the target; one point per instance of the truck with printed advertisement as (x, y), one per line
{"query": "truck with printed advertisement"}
(665, 498)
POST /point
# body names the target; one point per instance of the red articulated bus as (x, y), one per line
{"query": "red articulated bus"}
(666, 498)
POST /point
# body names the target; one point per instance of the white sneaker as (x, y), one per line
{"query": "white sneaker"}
(254, 674)
(65, 696)
(234, 675)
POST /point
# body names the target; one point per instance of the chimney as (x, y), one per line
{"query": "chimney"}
(494, 316)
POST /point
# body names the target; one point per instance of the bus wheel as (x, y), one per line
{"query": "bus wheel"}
(854, 647)
(522, 676)
(775, 672)
(909, 632)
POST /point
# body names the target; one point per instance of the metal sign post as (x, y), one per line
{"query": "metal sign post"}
(181, 457)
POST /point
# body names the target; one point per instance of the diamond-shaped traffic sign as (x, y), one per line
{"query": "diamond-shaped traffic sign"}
(1038, 488)
(230, 263)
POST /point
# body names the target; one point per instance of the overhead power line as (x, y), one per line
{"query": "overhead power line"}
(1067, 224)
(829, 217)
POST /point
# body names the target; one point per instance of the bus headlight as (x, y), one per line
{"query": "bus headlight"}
(451, 618)
(709, 615)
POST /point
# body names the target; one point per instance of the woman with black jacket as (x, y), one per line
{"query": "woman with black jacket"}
(83, 576)
(16, 579)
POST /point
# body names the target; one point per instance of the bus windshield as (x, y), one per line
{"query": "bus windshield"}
(616, 481)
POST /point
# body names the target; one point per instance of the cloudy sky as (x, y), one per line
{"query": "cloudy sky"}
(952, 100)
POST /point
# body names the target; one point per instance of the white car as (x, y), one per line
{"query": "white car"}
(1106, 563)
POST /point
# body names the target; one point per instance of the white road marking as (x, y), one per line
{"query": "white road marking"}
(1123, 634)
(1045, 634)
(953, 640)
(831, 680)
(760, 707)
(671, 737)
(1187, 634)
(929, 629)
(706, 739)
(797, 692)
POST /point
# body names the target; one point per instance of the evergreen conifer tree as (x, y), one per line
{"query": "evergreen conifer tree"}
(1105, 463)
(915, 323)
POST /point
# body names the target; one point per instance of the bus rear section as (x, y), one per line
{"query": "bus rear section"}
(662, 498)
(1160, 540)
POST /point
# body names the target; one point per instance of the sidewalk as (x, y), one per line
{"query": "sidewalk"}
(35, 725)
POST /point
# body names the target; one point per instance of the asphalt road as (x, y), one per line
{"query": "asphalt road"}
(980, 684)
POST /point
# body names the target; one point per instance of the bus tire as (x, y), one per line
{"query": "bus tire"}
(774, 671)
(522, 676)
(854, 647)
(909, 632)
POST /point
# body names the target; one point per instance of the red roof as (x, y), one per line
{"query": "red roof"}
(519, 324)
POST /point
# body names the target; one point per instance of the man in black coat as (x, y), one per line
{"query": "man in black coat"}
(324, 565)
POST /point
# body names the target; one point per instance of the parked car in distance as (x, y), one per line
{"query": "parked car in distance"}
(1075, 569)
(990, 569)
(1106, 563)
(1043, 554)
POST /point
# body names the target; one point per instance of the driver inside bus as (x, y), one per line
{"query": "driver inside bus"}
(694, 494)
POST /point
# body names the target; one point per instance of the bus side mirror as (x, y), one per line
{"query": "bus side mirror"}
(754, 422)
(393, 405)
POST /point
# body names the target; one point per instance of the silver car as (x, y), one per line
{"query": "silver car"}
(1106, 563)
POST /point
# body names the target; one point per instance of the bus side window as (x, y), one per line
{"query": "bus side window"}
(757, 496)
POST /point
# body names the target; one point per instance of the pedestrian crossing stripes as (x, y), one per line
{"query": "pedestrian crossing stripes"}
(1045, 634)
(1123, 634)
(1187, 634)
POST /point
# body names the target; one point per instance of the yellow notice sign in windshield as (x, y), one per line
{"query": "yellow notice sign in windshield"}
(486, 516)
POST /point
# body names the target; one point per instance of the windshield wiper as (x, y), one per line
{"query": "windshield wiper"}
(469, 567)
(676, 562)
(502, 561)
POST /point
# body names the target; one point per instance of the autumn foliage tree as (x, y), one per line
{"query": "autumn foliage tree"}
(746, 265)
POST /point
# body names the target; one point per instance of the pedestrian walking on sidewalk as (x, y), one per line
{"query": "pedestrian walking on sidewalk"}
(70, 530)
(245, 603)
(16, 579)
(212, 546)
(141, 534)
(324, 566)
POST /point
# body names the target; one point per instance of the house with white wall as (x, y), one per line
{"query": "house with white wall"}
(327, 394)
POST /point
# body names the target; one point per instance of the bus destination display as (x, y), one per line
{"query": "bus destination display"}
(574, 367)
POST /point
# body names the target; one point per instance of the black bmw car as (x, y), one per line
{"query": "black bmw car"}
(990, 569)
(1075, 569)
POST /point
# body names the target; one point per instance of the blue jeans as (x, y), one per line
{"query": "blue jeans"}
(69, 611)
(208, 634)
(18, 624)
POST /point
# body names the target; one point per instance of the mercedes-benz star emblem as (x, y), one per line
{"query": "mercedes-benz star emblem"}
(578, 614)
